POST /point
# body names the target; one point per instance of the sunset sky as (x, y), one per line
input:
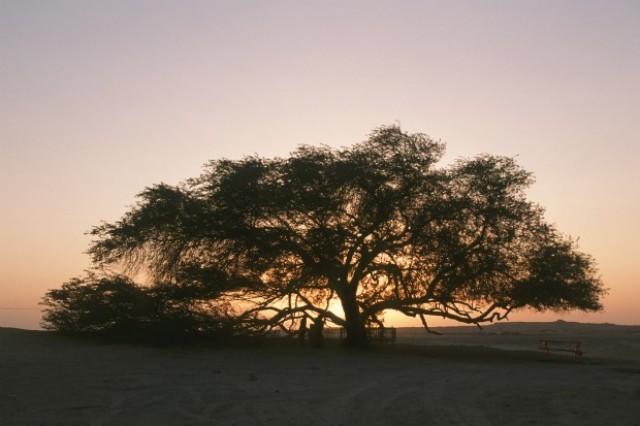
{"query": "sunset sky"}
(99, 99)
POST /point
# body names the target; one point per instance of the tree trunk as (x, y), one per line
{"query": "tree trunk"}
(356, 334)
(355, 326)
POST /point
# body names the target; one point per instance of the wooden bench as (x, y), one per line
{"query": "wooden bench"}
(563, 346)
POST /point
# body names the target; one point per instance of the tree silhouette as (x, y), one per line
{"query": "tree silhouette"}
(116, 308)
(96, 304)
(348, 234)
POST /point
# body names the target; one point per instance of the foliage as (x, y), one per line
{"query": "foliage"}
(345, 235)
(116, 308)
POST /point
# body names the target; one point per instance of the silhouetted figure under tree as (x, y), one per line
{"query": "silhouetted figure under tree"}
(302, 332)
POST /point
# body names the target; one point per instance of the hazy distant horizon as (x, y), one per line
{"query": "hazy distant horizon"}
(452, 324)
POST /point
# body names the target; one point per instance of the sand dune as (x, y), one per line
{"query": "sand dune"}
(458, 378)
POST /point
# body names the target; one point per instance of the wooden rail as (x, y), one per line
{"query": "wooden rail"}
(380, 335)
(549, 346)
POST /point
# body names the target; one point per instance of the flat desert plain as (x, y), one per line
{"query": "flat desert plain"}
(495, 376)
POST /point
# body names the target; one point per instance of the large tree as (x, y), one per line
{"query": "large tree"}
(345, 235)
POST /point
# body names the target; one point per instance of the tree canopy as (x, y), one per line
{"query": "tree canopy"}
(114, 307)
(346, 235)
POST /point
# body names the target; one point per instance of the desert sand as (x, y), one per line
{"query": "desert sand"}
(491, 377)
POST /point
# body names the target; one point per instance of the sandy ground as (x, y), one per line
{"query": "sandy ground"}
(456, 379)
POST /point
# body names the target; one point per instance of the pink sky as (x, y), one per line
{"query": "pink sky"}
(100, 99)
